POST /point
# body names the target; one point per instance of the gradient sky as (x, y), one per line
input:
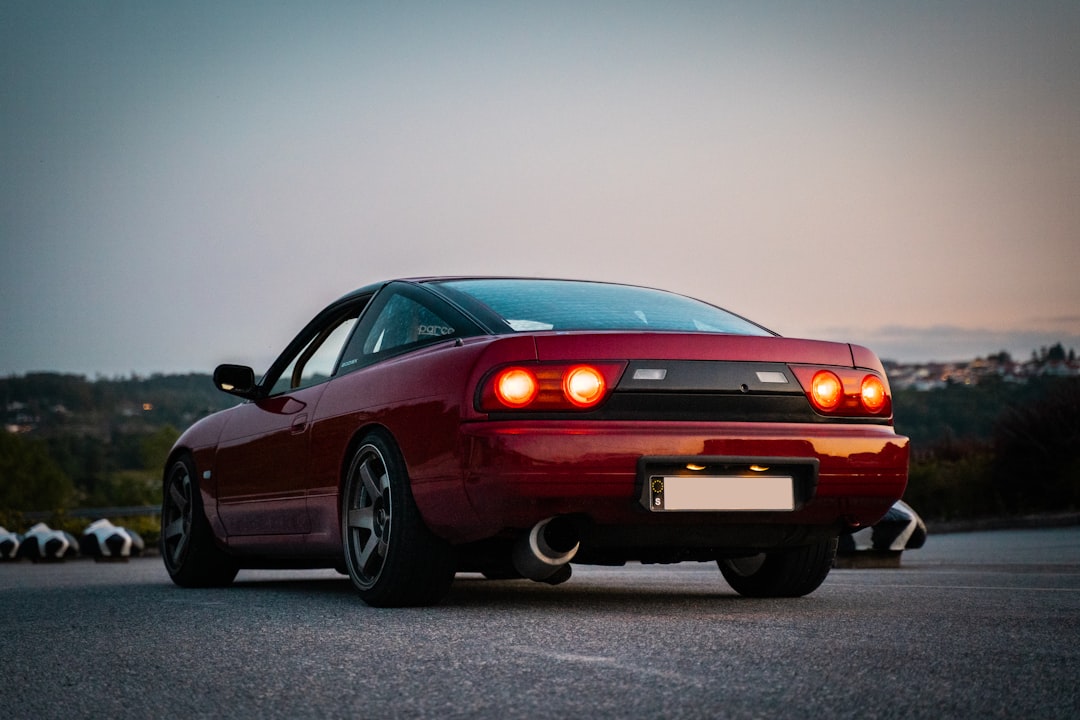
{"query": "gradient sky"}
(183, 184)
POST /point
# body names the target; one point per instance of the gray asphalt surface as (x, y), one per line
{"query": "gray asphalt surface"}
(972, 625)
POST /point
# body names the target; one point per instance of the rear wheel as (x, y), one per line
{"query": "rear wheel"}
(188, 549)
(782, 573)
(392, 558)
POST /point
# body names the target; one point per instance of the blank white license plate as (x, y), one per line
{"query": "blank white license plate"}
(762, 492)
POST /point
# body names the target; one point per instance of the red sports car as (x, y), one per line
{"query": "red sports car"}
(419, 428)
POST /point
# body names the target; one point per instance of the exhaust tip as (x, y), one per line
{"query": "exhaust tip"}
(547, 548)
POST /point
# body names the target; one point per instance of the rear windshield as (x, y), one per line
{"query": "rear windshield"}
(532, 305)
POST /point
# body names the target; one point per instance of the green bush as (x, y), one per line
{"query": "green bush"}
(1021, 456)
(29, 479)
(126, 487)
(1037, 450)
(950, 488)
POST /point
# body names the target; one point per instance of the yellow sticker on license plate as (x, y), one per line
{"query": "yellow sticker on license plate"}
(719, 493)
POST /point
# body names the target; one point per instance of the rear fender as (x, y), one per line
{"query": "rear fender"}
(508, 349)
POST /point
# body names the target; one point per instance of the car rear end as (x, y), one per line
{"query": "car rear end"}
(668, 446)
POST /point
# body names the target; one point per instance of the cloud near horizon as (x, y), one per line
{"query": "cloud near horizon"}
(950, 343)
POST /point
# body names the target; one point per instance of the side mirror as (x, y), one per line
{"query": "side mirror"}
(236, 380)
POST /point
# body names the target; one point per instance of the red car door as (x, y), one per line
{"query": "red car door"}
(262, 463)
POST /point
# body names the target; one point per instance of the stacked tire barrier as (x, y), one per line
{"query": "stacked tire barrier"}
(101, 540)
(43, 544)
(9, 545)
(882, 544)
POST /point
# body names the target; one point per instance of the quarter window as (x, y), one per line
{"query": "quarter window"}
(401, 324)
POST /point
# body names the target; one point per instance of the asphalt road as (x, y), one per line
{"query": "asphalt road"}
(972, 625)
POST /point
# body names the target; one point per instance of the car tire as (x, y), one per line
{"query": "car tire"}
(783, 573)
(188, 548)
(392, 557)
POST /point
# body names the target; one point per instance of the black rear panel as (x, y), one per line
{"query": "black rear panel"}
(706, 376)
(707, 407)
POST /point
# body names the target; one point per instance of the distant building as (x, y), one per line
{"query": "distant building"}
(1000, 367)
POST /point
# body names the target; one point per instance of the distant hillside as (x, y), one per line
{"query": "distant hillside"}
(47, 404)
(71, 442)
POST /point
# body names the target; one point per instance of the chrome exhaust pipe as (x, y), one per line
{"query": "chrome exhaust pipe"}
(546, 549)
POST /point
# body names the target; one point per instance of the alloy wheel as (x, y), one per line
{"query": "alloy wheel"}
(177, 515)
(368, 524)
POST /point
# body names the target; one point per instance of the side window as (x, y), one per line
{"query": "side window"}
(401, 324)
(315, 363)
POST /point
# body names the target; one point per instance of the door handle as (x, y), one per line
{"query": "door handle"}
(299, 424)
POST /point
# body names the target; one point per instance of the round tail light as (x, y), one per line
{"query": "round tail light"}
(873, 394)
(583, 386)
(826, 390)
(516, 387)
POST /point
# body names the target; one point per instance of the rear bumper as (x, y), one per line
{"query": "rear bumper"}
(518, 473)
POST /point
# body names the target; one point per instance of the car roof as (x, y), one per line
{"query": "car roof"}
(426, 279)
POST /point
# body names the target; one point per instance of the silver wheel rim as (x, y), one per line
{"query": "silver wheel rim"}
(176, 515)
(367, 516)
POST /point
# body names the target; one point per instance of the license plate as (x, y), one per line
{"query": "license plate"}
(674, 493)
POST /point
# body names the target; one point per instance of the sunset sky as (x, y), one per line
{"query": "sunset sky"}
(183, 184)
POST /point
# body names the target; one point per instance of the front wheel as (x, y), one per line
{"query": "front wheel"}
(782, 573)
(392, 558)
(188, 548)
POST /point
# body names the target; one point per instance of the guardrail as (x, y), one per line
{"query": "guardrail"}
(103, 512)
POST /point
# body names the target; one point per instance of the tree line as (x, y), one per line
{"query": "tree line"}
(69, 442)
(993, 449)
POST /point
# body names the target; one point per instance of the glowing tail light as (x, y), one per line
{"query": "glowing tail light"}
(540, 387)
(826, 390)
(583, 386)
(848, 392)
(873, 394)
(516, 387)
